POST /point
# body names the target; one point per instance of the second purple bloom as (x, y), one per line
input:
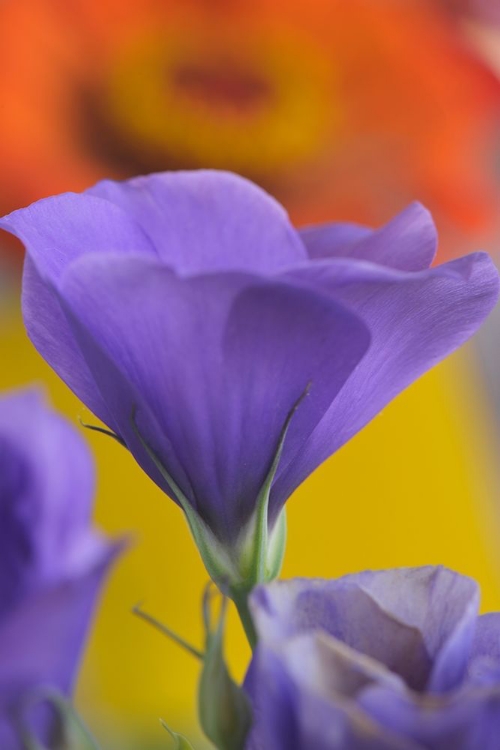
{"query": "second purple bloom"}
(381, 660)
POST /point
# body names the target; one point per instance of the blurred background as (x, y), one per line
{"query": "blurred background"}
(344, 110)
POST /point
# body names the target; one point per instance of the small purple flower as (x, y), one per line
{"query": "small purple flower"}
(51, 560)
(191, 317)
(388, 660)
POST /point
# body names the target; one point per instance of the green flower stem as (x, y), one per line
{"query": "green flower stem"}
(169, 633)
(240, 599)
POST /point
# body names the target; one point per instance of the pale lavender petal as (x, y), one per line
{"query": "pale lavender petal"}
(208, 221)
(487, 636)
(408, 242)
(348, 613)
(464, 720)
(304, 694)
(484, 665)
(344, 726)
(334, 669)
(418, 622)
(327, 663)
(441, 604)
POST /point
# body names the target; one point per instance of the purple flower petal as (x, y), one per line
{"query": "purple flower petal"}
(273, 699)
(211, 364)
(418, 622)
(341, 725)
(408, 242)
(333, 240)
(484, 666)
(487, 637)
(415, 319)
(44, 462)
(51, 560)
(208, 221)
(347, 611)
(42, 640)
(56, 231)
(464, 720)
(49, 331)
(340, 664)
(304, 694)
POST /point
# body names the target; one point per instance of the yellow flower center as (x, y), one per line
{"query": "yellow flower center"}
(250, 106)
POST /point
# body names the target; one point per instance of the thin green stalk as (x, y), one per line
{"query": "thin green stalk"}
(169, 633)
(240, 599)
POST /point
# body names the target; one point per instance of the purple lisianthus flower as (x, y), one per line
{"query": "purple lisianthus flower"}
(52, 562)
(191, 317)
(387, 660)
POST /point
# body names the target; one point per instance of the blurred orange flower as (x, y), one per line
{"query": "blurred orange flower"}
(479, 23)
(343, 109)
(487, 10)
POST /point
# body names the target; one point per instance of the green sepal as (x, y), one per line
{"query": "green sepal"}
(103, 431)
(266, 553)
(277, 546)
(257, 555)
(74, 735)
(224, 710)
(30, 742)
(181, 743)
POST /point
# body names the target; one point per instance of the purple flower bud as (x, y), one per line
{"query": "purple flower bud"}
(188, 300)
(51, 560)
(389, 660)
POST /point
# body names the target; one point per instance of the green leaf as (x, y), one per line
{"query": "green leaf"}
(224, 709)
(181, 743)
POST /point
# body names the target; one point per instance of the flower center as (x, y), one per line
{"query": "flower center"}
(253, 103)
(234, 92)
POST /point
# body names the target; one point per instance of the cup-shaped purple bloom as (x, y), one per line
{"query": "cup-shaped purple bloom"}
(52, 562)
(388, 660)
(191, 317)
